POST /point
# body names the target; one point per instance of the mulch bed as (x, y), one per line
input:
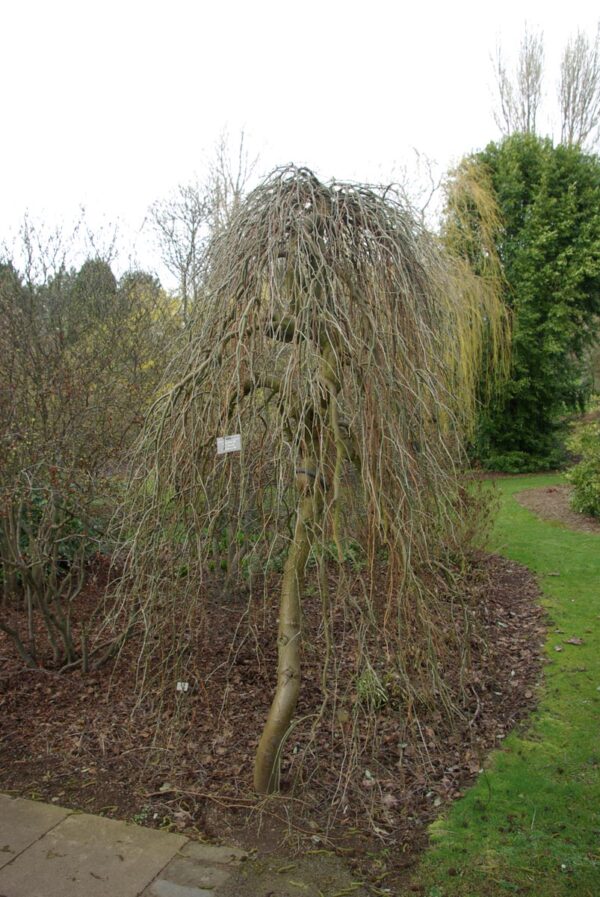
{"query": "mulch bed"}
(83, 741)
(554, 503)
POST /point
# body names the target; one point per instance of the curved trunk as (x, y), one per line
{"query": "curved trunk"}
(266, 765)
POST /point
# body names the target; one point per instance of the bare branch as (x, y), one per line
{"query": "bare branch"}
(520, 95)
(181, 224)
(186, 220)
(579, 90)
(231, 171)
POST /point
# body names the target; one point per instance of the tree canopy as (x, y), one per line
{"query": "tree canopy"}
(548, 245)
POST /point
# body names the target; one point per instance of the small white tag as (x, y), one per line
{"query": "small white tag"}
(183, 686)
(229, 444)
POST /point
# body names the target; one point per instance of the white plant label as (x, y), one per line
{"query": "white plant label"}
(229, 444)
(183, 686)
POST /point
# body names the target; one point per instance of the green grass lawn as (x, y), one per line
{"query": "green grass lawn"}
(531, 823)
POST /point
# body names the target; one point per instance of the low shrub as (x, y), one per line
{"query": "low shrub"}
(585, 476)
(51, 525)
(522, 462)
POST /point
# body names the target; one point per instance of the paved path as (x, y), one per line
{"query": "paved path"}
(47, 851)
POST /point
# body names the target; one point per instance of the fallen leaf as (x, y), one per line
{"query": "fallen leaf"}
(574, 641)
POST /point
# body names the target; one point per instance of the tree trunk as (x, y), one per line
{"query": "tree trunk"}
(266, 765)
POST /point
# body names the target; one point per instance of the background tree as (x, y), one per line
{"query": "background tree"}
(579, 90)
(231, 170)
(548, 245)
(181, 225)
(185, 221)
(328, 340)
(520, 94)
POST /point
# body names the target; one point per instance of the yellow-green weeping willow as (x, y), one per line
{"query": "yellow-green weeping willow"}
(471, 226)
(345, 348)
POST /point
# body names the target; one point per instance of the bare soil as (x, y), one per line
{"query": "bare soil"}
(554, 503)
(84, 742)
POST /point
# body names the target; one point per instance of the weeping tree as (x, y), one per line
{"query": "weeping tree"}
(344, 348)
(544, 234)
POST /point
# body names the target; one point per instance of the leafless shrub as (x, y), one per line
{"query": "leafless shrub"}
(80, 354)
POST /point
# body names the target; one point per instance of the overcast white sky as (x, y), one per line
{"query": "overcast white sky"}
(109, 105)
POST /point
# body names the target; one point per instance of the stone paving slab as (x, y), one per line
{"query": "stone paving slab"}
(90, 856)
(22, 822)
(162, 888)
(189, 873)
(213, 853)
(198, 870)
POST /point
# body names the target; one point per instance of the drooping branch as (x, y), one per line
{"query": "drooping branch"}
(327, 340)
